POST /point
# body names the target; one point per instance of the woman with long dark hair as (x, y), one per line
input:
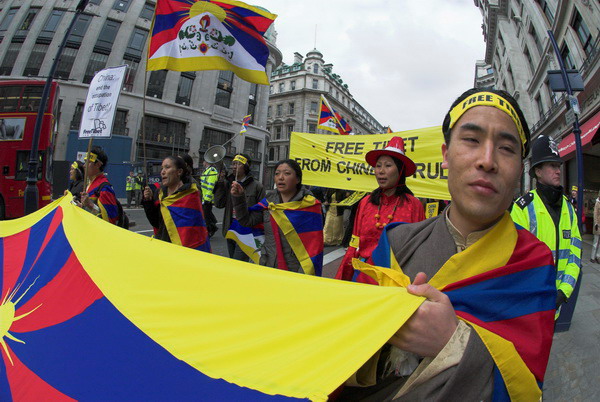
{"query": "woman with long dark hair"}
(175, 209)
(392, 201)
(292, 220)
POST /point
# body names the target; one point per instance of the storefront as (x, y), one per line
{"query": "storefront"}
(590, 141)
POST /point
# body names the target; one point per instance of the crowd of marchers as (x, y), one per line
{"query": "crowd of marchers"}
(441, 353)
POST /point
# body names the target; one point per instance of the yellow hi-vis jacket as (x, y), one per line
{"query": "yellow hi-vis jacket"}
(530, 212)
(207, 182)
(129, 183)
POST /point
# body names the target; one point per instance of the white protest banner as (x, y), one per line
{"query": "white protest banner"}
(101, 103)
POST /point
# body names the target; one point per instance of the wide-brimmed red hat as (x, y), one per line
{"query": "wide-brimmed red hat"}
(394, 149)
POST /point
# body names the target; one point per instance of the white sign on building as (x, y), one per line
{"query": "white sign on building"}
(101, 103)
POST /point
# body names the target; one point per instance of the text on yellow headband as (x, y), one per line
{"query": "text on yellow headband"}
(489, 99)
(91, 157)
(240, 159)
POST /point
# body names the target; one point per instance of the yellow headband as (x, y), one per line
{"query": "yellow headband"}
(489, 99)
(74, 165)
(91, 157)
(241, 159)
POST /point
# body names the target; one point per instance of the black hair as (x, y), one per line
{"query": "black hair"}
(247, 164)
(180, 164)
(401, 189)
(513, 102)
(189, 162)
(295, 167)
(100, 156)
(79, 170)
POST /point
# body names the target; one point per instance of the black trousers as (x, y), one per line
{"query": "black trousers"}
(211, 220)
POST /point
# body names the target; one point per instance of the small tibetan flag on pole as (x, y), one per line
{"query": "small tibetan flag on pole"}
(194, 35)
(245, 123)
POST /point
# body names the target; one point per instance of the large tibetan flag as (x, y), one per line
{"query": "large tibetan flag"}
(503, 286)
(193, 35)
(90, 311)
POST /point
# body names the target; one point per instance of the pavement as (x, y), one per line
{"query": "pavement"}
(573, 372)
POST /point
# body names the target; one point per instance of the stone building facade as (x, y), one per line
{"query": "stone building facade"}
(186, 112)
(519, 53)
(295, 96)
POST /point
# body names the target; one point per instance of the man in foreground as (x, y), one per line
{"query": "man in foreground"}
(549, 216)
(486, 327)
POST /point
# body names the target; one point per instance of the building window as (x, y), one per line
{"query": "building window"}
(107, 35)
(278, 132)
(529, 60)
(36, 57)
(67, 59)
(279, 110)
(272, 154)
(135, 47)
(547, 11)
(252, 99)
(7, 20)
(271, 89)
(120, 123)
(27, 22)
(567, 58)
(121, 5)
(540, 106)
(583, 33)
(184, 89)
(76, 122)
(281, 87)
(224, 89)
(315, 84)
(9, 58)
(316, 68)
(536, 39)
(165, 137)
(79, 30)
(130, 73)
(251, 147)
(148, 11)
(212, 137)
(313, 107)
(51, 24)
(97, 62)
(312, 128)
(156, 83)
(293, 85)
(95, 2)
(269, 111)
(289, 130)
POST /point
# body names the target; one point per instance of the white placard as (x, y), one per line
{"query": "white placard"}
(101, 103)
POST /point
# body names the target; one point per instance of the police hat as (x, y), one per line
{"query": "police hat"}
(544, 149)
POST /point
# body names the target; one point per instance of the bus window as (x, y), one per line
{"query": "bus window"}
(32, 96)
(9, 98)
(23, 162)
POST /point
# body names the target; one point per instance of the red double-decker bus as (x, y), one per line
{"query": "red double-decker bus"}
(19, 104)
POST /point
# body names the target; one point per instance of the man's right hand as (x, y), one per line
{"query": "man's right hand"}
(147, 194)
(236, 189)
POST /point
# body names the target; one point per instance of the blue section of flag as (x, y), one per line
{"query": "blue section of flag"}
(5, 394)
(304, 221)
(186, 217)
(101, 355)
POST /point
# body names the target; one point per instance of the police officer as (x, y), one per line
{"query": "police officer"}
(129, 188)
(548, 214)
(208, 179)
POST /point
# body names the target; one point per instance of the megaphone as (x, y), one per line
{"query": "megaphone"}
(215, 154)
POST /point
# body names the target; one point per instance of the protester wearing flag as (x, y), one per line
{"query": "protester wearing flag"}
(195, 35)
(176, 208)
(292, 218)
(99, 198)
(243, 243)
(486, 328)
(391, 202)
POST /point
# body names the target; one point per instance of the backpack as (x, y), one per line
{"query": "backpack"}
(123, 219)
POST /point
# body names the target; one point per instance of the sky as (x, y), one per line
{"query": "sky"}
(404, 61)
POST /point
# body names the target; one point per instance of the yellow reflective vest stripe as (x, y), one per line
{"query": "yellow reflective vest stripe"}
(534, 216)
(129, 183)
(207, 182)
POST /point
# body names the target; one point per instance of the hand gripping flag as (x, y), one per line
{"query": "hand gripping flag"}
(503, 287)
(90, 311)
(184, 219)
(249, 240)
(193, 35)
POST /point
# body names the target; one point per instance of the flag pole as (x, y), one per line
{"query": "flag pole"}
(332, 111)
(85, 171)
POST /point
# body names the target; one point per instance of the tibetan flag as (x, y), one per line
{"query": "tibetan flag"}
(327, 120)
(193, 35)
(343, 127)
(503, 286)
(90, 311)
(184, 218)
(389, 130)
(245, 123)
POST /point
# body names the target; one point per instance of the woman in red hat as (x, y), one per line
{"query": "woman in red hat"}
(392, 201)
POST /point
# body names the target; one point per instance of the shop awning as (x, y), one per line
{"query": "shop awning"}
(589, 131)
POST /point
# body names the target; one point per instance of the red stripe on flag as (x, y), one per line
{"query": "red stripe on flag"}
(313, 242)
(25, 385)
(68, 294)
(15, 250)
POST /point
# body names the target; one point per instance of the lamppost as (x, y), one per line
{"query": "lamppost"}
(31, 191)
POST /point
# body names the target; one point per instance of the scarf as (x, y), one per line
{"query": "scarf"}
(504, 287)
